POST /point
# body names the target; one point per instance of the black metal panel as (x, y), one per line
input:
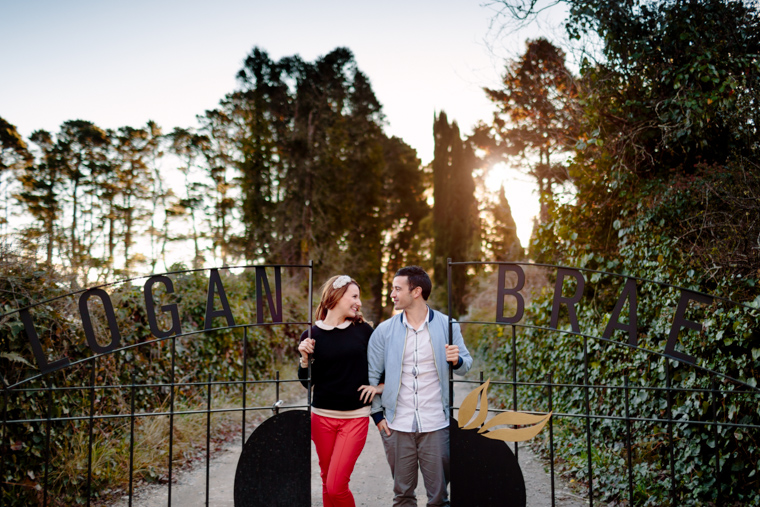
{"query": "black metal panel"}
(275, 466)
(484, 471)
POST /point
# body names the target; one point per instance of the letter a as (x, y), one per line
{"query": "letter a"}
(215, 285)
(629, 292)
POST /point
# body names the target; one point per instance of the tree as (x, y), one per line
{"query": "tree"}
(81, 152)
(42, 183)
(676, 92)
(404, 212)
(262, 111)
(13, 149)
(14, 155)
(667, 188)
(133, 184)
(318, 175)
(158, 224)
(220, 159)
(536, 117)
(500, 234)
(455, 217)
(189, 146)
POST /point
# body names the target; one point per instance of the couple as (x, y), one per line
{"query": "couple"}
(349, 361)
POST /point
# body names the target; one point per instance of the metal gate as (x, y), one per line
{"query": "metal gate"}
(117, 382)
(648, 406)
(127, 381)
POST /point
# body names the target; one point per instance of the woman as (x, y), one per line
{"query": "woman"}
(340, 411)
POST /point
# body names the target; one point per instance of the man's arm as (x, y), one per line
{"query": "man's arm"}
(376, 361)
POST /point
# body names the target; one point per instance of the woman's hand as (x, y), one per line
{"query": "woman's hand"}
(368, 392)
(306, 347)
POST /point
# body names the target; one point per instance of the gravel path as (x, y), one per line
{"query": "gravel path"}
(371, 482)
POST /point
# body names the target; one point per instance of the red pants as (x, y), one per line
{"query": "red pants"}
(339, 443)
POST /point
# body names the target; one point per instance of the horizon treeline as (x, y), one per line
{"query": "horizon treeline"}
(292, 166)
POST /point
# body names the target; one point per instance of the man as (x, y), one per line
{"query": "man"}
(413, 415)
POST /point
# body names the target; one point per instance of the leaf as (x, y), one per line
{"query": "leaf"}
(470, 402)
(12, 356)
(515, 418)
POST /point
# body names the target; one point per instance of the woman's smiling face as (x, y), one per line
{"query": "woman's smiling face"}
(349, 305)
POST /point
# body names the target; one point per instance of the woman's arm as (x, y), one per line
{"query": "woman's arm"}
(305, 348)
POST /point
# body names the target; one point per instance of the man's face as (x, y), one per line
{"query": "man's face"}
(401, 295)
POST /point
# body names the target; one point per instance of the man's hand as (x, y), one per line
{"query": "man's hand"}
(452, 354)
(383, 426)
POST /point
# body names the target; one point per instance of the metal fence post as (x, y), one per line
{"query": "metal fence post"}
(91, 425)
(628, 440)
(131, 437)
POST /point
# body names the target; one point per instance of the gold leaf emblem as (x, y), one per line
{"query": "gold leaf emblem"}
(535, 423)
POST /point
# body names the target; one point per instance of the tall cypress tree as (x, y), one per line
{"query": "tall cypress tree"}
(501, 231)
(456, 226)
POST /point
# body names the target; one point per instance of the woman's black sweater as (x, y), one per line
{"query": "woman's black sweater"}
(339, 366)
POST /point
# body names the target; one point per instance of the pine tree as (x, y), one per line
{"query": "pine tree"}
(219, 161)
(536, 117)
(42, 184)
(189, 147)
(14, 156)
(133, 181)
(319, 179)
(81, 152)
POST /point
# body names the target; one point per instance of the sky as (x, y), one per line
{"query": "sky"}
(124, 63)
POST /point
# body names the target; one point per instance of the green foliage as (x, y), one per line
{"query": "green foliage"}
(729, 344)
(666, 189)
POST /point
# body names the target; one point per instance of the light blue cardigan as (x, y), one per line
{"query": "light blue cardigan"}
(386, 353)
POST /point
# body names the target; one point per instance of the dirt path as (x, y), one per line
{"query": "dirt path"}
(371, 482)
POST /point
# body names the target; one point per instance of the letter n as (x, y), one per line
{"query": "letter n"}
(262, 280)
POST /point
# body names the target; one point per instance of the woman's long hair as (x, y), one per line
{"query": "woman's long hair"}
(331, 296)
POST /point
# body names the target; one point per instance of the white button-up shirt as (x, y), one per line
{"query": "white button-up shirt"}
(419, 399)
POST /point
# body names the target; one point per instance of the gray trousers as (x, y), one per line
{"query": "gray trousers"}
(429, 451)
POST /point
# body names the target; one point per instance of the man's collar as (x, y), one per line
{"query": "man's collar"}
(428, 317)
